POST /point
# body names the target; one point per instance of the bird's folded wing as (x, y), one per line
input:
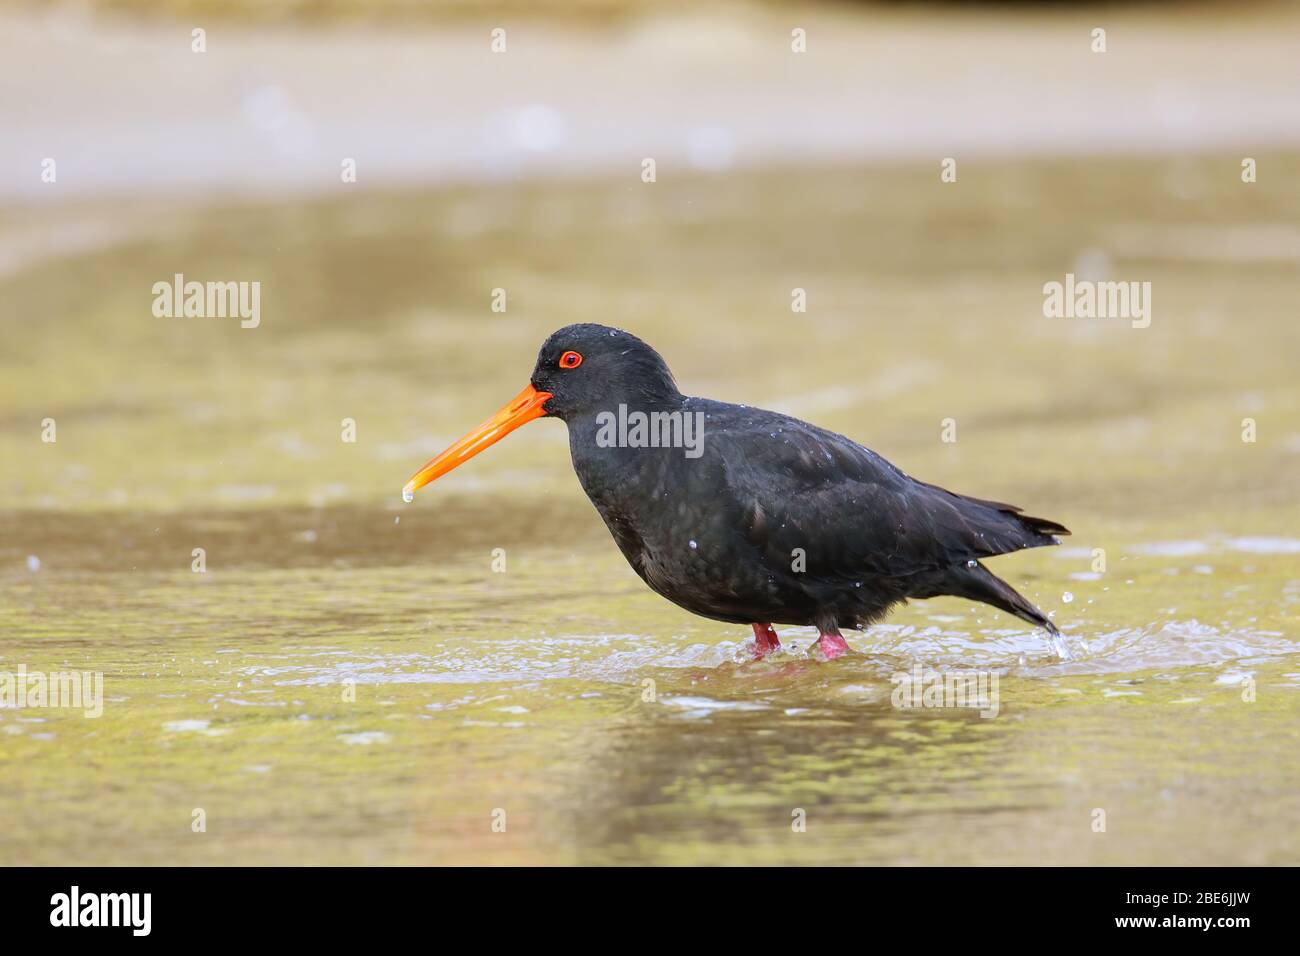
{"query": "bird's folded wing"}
(854, 513)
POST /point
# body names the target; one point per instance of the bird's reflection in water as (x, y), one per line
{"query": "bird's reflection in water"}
(785, 761)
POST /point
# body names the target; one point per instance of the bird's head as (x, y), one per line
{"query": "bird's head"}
(589, 368)
(581, 370)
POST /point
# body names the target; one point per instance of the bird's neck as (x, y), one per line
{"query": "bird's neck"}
(630, 453)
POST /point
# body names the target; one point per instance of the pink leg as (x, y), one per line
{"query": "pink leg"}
(765, 640)
(832, 643)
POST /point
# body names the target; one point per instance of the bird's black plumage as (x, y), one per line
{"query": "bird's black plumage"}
(776, 520)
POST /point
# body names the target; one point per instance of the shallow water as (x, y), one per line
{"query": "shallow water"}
(349, 680)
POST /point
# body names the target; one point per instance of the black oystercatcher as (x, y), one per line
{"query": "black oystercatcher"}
(747, 516)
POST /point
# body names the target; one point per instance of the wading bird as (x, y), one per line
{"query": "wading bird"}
(760, 518)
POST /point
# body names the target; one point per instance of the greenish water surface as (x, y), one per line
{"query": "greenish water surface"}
(351, 681)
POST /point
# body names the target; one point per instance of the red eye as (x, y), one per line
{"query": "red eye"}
(570, 360)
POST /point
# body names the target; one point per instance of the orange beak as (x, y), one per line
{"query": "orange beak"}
(521, 409)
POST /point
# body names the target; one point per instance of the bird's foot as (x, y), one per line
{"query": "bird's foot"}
(765, 640)
(832, 645)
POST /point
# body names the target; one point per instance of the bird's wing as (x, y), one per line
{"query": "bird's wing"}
(851, 511)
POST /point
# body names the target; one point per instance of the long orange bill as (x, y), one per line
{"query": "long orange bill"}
(521, 409)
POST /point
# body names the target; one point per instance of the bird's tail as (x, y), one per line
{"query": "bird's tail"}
(978, 583)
